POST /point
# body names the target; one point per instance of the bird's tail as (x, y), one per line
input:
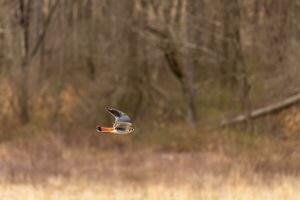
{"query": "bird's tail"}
(105, 129)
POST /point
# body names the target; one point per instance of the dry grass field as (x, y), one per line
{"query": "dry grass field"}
(233, 187)
(50, 166)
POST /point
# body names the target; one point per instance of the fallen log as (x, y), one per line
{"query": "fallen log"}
(270, 109)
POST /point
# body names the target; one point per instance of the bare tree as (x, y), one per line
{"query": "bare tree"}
(30, 50)
(101, 52)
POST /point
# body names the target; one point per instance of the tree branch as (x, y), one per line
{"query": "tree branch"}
(43, 34)
(261, 112)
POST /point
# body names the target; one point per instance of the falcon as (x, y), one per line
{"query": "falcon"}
(122, 124)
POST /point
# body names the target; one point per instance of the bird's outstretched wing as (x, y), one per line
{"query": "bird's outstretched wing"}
(118, 115)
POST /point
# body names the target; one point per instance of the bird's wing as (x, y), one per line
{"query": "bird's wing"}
(118, 115)
(122, 125)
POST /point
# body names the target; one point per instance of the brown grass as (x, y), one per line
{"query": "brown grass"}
(89, 166)
(234, 187)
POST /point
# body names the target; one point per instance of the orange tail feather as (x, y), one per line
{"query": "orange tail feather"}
(105, 129)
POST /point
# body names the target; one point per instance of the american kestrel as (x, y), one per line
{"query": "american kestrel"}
(122, 124)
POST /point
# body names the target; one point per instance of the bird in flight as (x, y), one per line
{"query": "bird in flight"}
(122, 124)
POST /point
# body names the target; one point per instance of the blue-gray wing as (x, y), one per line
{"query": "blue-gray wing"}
(123, 126)
(118, 115)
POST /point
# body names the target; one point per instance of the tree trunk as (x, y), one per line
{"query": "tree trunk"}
(261, 112)
(230, 40)
(193, 34)
(23, 82)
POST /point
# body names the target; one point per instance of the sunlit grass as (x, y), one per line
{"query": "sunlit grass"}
(233, 187)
